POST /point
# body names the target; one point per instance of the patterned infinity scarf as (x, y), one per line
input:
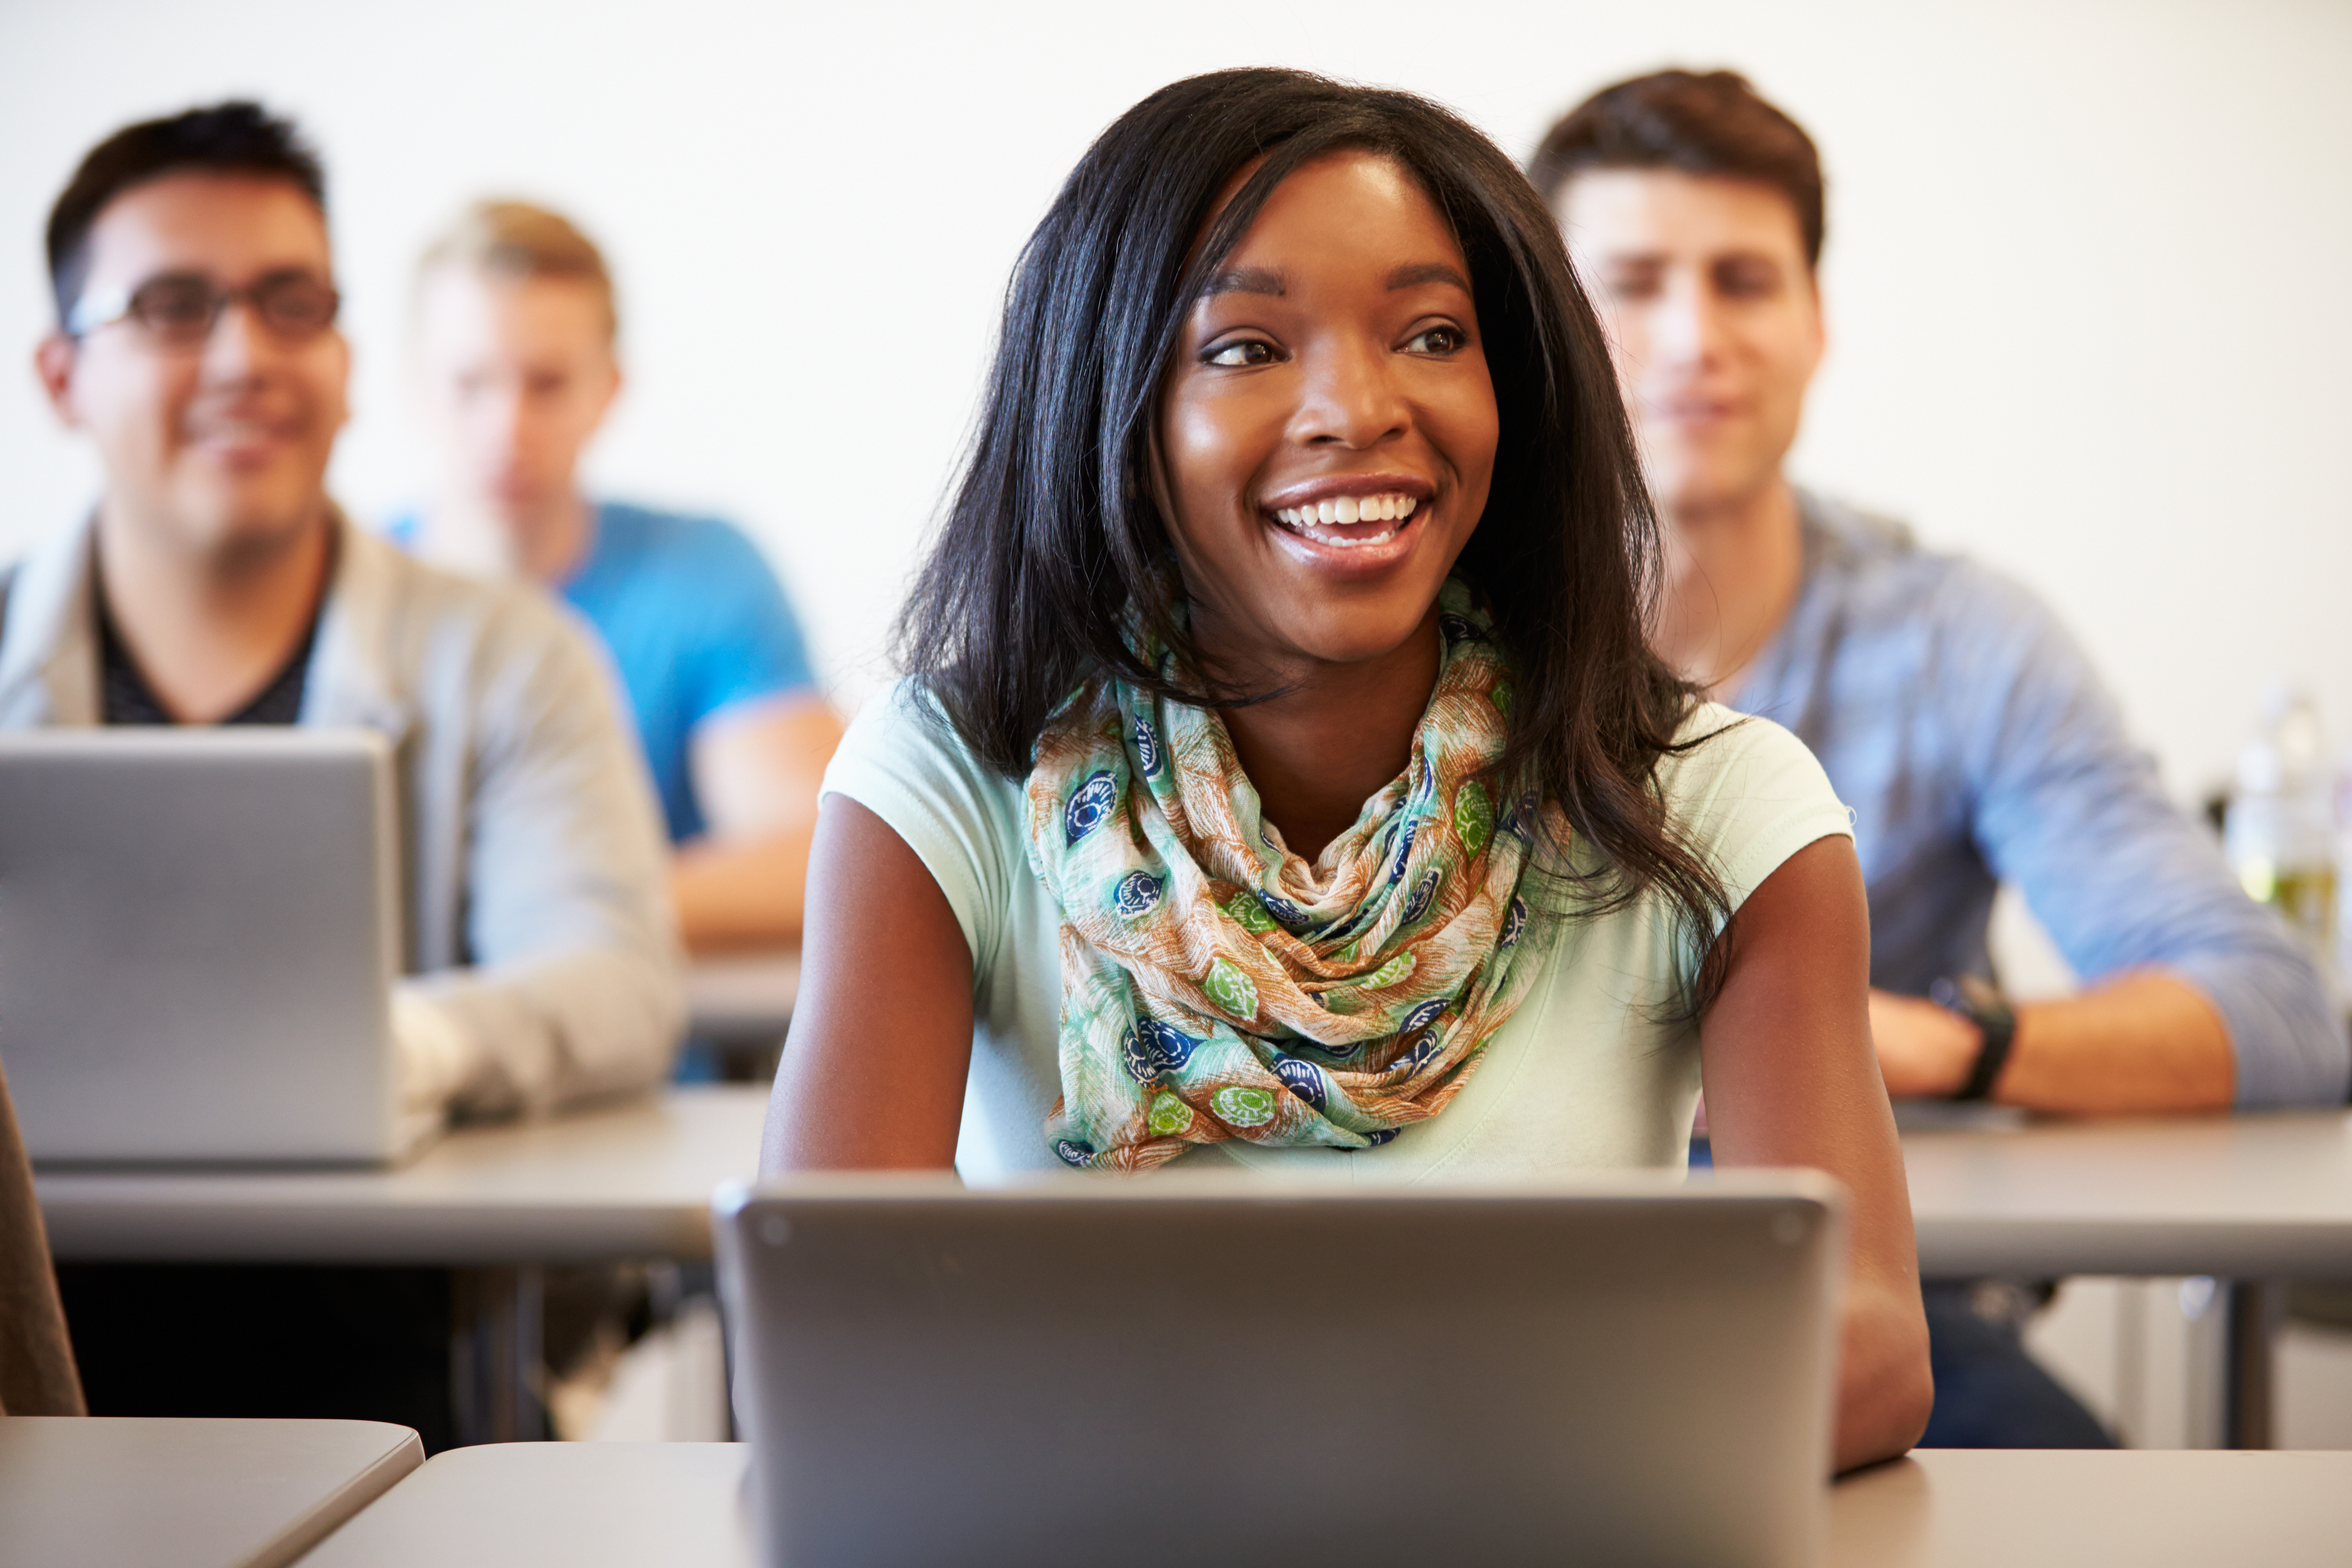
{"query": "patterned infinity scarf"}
(1215, 985)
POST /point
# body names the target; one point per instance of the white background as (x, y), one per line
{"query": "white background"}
(2089, 270)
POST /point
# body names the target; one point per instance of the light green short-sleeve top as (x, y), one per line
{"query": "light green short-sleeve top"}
(1596, 1069)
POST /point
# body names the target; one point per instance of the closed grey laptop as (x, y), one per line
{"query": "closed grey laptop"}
(1173, 1370)
(198, 935)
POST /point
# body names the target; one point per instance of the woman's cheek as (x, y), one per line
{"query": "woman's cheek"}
(1466, 433)
(1210, 467)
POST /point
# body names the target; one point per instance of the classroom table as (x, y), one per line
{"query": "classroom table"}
(579, 1504)
(2254, 1197)
(631, 1180)
(129, 1491)
(590, 1504)
(1966, 1508)
(742, 1003)
(2257, 1195)
(2257, 1199)
(748, 993)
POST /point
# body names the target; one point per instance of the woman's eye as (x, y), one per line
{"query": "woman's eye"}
(1436, 341)
(1239, 355)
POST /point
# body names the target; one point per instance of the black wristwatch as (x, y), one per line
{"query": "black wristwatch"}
(1981, 1003)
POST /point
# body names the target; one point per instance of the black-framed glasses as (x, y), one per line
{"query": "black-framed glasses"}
(181, 309)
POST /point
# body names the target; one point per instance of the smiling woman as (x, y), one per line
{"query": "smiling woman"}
(1282, 777)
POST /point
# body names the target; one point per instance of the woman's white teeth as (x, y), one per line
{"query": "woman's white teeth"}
(1342, 511)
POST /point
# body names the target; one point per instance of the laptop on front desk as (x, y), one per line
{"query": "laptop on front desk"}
(1174, 1371)
(199, 931)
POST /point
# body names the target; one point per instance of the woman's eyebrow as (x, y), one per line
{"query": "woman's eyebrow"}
(1415, 273)
(1246, 280)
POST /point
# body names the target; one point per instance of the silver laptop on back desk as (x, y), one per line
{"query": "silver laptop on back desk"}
(198, 934)
(1164, 1372)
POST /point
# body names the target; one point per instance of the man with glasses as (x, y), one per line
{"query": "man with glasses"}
(216, 582)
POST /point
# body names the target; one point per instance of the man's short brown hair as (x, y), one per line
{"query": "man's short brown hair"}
(515, 239)
(1709, 123)
(234, 138)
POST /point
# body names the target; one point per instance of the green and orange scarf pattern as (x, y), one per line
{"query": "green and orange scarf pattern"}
(1215, 985)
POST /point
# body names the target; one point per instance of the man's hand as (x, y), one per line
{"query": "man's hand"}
(1924, 1051)
(435, 1057)
(2139, 1042)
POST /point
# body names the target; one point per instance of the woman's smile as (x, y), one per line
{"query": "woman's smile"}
(1351, 523)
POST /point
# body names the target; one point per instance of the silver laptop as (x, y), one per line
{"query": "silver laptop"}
(1167, 1371)
(199, 930)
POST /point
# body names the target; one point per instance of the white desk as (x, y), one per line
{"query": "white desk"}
(743, 996)
(628, 1180)
(129, 1491)
(2262, 1195)
(2255, 1199)
(1970, 1507)
(2247, 1196)
(582, 1505)
(588, 1505)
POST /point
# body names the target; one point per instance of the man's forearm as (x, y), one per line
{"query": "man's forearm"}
(2147, 1041)
(742, 894)
(544, 1031)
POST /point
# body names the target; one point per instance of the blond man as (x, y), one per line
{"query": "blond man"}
(514, 371)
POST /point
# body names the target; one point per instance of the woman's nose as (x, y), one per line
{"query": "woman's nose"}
(1350, 398)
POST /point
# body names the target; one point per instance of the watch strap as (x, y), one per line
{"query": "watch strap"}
(1982, 1004)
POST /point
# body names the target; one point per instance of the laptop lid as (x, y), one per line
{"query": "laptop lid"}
(1621, 1370)
(198, 935)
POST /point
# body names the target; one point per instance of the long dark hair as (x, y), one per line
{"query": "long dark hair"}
(1053, 565)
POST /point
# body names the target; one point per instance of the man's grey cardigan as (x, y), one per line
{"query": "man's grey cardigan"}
(537, 917)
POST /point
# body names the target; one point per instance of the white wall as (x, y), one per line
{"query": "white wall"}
(2086, 267)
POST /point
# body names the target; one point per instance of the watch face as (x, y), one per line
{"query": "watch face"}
(1972, 996)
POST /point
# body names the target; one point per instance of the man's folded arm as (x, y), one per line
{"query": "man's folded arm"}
(2125, 882)
(574, 989)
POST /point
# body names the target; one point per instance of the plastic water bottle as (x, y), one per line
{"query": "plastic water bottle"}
(2280, 832)
(2344, 883)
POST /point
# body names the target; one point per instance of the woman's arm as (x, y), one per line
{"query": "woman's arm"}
(1791, 1080)
(873, 1072)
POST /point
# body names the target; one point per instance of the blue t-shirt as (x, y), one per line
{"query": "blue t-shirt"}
(696, 624)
